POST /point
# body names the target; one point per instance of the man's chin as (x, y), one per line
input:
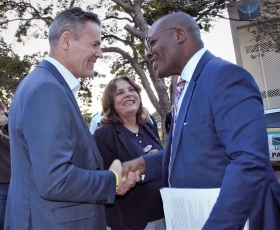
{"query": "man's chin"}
(90, 75)
(160, 74)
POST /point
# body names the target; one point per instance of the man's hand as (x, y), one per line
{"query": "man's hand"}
(123, 186)
(116, 166)
(138, 166)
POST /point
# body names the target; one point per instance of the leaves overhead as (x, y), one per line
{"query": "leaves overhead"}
(33, 19)
(268, 25)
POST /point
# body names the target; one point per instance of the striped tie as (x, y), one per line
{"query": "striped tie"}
(179, 89)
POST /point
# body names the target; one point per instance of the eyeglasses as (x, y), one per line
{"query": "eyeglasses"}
(148, 45)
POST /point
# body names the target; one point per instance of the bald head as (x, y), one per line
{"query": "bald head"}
(172, 41)
(183, 20)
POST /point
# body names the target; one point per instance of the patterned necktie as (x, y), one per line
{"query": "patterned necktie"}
(179, 89)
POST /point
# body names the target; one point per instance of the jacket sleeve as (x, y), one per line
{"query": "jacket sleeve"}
(153, 165)
(50, 126)
(106, 143)
(239, 123)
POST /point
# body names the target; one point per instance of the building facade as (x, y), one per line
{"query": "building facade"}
(259, 58)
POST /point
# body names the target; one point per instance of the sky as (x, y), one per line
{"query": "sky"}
(218, 41)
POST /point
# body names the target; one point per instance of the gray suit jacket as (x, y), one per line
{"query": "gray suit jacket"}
(57, 178)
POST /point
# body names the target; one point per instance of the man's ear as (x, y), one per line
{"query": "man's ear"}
(65, 39)
(181, 34)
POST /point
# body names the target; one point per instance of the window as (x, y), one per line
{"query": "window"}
(249, 11)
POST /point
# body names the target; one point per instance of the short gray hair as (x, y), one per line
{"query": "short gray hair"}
(73, 20)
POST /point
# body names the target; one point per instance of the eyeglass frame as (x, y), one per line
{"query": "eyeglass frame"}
(147, 39)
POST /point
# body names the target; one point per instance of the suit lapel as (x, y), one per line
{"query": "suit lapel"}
(181, 118)
(128, 144)
(151, 132)
(50, 67)
(47, 65)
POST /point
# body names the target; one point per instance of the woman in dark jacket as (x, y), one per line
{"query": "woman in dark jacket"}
(125, 134)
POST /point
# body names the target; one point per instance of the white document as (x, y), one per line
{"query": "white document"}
(188, 209)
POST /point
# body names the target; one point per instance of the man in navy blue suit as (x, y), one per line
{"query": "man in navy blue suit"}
(219, 139)
(58, 181)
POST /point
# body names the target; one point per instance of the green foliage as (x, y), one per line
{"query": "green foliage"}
(268, 25)
(33, 22)
(12, 70)
(87, 115)
(203, 11)
(85, 91)
(121, 67)
(34, 17)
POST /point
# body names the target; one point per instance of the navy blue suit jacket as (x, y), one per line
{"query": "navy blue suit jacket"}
(220, 141)
(57, 178)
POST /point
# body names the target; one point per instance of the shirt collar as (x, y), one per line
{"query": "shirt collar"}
(191, 65)
(70, 79)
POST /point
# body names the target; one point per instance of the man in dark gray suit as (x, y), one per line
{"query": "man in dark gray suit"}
(58, 181)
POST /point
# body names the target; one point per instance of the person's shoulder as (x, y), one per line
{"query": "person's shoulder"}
(220, 67)
(151, 127)
(218, 62)
(148, 125)
(44, 85)
(152, 118)
(105, 129)
(105, 133)
(94, 115)
(97, 116)
(39, 76)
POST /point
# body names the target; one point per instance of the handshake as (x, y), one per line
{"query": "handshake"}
(129, 173)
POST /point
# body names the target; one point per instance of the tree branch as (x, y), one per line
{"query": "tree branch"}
(137, 33)
(23, 5)
(46, 19)
(124, 5)
(117, 18)
(115, 37)
(126, 42)
(72, 3)
(8, 48)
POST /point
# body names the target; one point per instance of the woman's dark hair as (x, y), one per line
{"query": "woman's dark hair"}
(110, 114)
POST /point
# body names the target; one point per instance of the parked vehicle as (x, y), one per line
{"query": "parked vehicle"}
(272, 118)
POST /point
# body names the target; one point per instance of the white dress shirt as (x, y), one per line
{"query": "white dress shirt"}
(188, 72)
(72, 82)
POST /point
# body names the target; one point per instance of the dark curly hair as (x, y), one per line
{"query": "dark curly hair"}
(110, 114)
